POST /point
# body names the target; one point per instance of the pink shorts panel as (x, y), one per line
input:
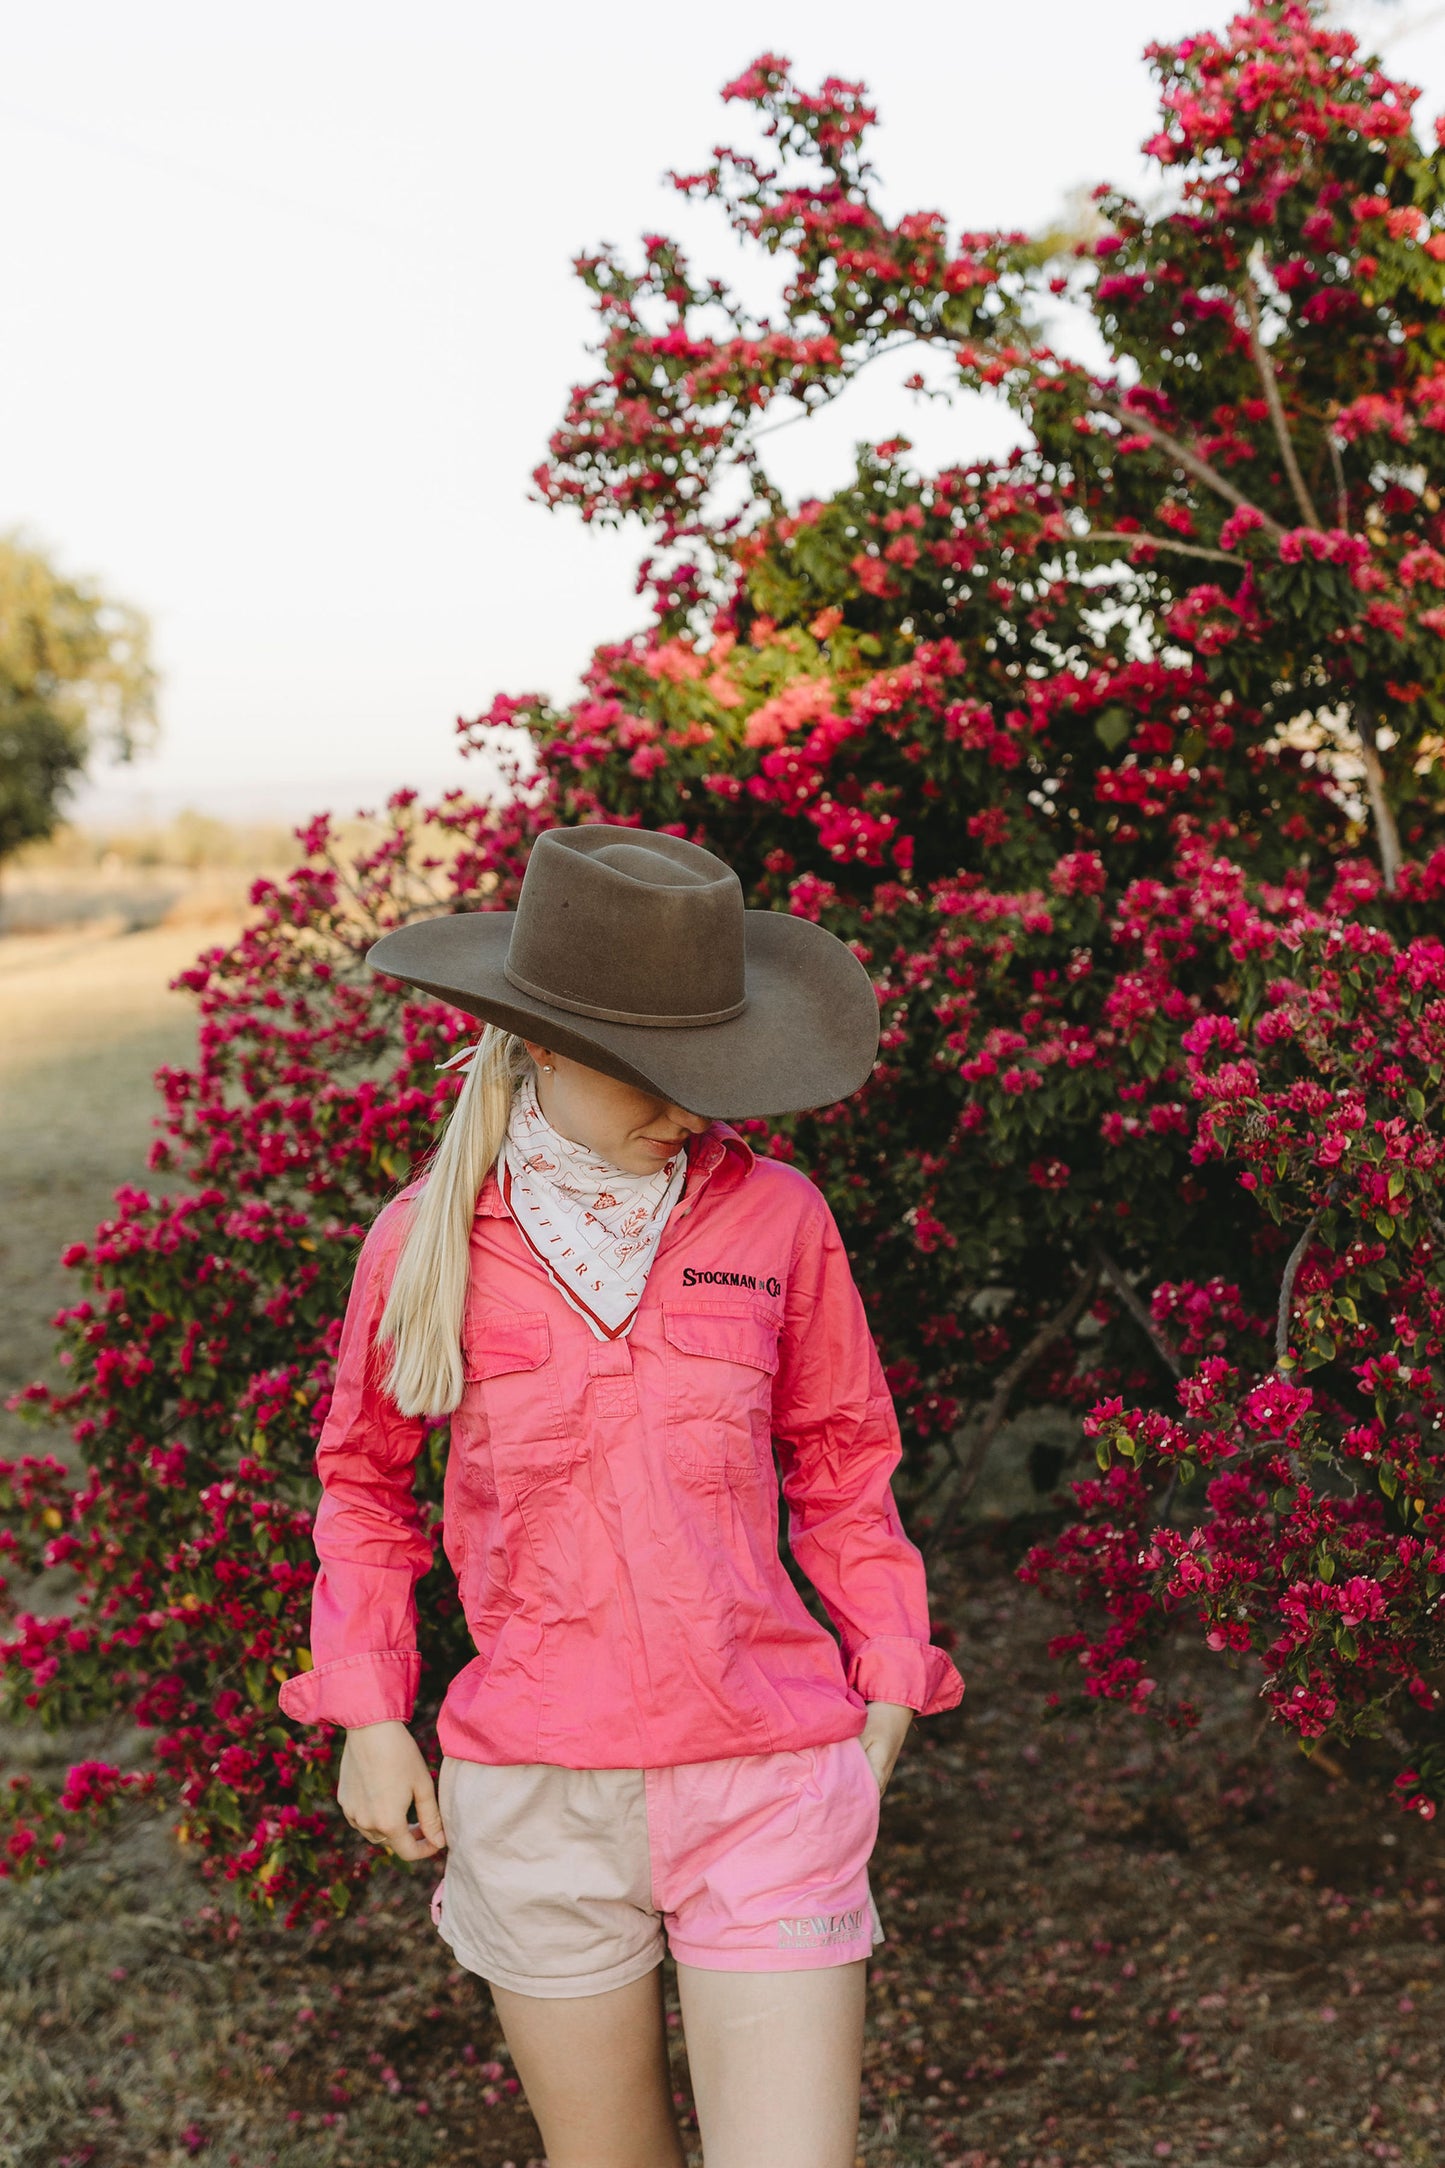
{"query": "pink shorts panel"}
(761, 1864)
(561, 1881)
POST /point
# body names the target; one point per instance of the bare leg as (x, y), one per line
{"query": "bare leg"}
(594, 2069)
(776, 2061)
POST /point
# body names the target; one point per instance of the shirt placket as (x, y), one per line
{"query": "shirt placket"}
(698, 1176)
(610, 1375)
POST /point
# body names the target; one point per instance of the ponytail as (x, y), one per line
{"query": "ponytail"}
(425, 1307)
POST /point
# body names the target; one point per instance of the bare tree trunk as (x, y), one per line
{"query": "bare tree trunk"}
(971, 1463)
(1269, 383)
(1186, 457)
(1138, 1310)
(1291, 1272)
(1387, 834)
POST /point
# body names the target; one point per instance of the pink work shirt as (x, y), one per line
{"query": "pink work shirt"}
(611, 1508)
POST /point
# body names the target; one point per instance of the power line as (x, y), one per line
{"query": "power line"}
(272, 199)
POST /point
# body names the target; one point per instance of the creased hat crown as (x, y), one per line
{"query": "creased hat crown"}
(646, 932)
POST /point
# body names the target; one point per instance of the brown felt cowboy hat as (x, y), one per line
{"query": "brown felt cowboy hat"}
(633, 953)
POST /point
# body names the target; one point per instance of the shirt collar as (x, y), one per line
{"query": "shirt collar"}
(720, 1153)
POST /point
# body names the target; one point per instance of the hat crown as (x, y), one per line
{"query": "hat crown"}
(630, 927)
(642, 863)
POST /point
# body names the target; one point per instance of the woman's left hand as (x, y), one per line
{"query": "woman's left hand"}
(883, 1734)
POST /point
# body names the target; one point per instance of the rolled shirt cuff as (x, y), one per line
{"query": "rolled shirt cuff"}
(376, 1688)
(914, 1674)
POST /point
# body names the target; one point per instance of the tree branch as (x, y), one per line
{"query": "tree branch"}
(1387, 834)
(1191, 461)
(790, 421)
(1124, 1289)
(1342, 496)
(1291, 1270)
(971, 1463)
(1157, 542)
(1270, 383)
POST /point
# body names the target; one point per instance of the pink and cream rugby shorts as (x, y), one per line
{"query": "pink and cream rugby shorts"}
(562, 1881)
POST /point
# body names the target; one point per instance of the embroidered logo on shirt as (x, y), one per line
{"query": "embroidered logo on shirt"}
(821, 1929)
(692, 1277)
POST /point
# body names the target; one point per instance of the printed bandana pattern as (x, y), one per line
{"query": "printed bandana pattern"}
(592, 1227)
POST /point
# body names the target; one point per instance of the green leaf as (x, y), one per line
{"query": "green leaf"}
(1384, 1226)
(1389, 1482)
(1325, 1566)
(1345, 1304)
(1112, 727)
(1397, 1181)
(1415, 1101)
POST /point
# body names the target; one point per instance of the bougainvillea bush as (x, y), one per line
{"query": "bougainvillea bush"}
(1116, 760)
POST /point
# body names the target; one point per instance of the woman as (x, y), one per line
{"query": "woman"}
(636, 1326)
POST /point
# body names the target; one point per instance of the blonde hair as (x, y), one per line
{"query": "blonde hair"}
(424, 1309)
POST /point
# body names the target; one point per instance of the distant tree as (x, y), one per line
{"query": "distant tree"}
(75, 674)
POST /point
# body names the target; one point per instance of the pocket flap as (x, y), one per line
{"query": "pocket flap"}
(729, 1336)
(502, 1340)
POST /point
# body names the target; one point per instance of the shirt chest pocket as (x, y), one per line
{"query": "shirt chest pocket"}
(512, 1417)
(720, 1367)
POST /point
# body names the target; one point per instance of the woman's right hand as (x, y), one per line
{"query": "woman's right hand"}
(383, 1773)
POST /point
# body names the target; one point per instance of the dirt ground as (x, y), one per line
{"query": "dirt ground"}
(1102, 1948)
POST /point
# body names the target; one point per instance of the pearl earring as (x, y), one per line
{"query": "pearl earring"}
(547, 1068)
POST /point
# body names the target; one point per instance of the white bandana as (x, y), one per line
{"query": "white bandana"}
(592, 1227)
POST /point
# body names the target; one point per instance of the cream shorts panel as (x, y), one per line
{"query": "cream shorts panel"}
(572, 1881)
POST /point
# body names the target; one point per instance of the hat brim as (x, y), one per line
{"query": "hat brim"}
(808, 1036)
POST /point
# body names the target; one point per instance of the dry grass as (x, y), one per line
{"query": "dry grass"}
(87, 1020)
(133, 2032)
(191, 871)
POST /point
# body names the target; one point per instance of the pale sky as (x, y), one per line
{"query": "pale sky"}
(287, 315)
